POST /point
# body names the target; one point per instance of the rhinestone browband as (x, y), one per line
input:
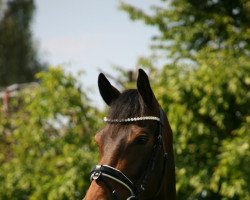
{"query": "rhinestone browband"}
(132, 119)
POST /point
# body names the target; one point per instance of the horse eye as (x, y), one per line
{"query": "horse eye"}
(141, 140)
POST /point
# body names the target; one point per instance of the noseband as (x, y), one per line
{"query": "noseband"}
(100, 172)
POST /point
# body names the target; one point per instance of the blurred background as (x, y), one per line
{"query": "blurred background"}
(197, 54)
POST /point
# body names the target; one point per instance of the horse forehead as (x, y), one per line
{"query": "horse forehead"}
(125, 131)
(119, 132)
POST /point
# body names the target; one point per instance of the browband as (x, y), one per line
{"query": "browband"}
(132, 119)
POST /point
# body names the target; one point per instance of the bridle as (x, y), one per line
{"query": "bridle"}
(100, 172)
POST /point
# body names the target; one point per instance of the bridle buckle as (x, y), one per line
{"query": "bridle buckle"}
(96, 175)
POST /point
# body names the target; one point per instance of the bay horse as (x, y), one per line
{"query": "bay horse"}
(136, 159)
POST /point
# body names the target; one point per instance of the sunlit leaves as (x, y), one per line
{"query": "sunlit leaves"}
(47, 141)
(208, 110)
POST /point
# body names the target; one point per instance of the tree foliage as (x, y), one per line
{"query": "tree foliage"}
(204, 87)
(18, 57)
(208, 108)
(187, 26)
(46, 142)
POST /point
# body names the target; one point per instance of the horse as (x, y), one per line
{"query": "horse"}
(136, 158)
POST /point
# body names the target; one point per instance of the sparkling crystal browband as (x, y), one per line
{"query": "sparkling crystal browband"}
(131, 119)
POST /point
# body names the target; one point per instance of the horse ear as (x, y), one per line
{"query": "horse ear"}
(107, 91)
(144, 88)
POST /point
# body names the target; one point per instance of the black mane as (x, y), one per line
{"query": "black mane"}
(128, 104)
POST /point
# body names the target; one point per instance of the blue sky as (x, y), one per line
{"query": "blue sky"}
(89, 35)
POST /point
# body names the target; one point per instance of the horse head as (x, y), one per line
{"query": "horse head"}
(135, 146)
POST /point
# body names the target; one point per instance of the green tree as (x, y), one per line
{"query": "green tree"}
(18, 57)
(186, 26)
(46, 147)
(204, 87)
(208, 108)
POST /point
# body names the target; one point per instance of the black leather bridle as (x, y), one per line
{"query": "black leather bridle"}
(104, 172)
